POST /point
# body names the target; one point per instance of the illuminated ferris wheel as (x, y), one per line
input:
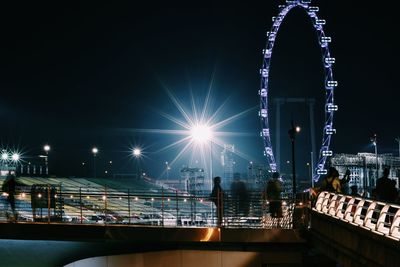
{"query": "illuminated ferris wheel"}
(329, 86)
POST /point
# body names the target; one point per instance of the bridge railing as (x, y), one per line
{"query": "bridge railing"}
(162, 208)
(376, 216)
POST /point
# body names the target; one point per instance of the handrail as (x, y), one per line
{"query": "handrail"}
(164, 208)
(376, 213)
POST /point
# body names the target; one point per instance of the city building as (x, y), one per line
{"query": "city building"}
(193, 180)
(228, 163)
(257, 175)
(363, 168)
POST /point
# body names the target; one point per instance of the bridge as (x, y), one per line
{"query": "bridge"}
(97, 224)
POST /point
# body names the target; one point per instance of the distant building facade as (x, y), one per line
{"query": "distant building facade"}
(193, 179)
(228, 163)
(257, 175)
(362, 166)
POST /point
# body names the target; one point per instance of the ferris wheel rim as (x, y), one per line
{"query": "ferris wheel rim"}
(329, 86)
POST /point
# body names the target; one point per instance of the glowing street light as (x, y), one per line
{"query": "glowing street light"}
(4, 155)
(95, 150)
(292, 135)
(375, 143)
(15, 157)
(137, 152)
(46, 149)
(201, 133)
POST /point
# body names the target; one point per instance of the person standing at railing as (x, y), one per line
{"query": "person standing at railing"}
(331, 182)
(273, 195)
(386, 188)
(9, 187)
(354, 191)
(344, 182)
(217, 195)
(240, 197)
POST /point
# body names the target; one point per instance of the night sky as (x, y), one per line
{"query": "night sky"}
(91, 75)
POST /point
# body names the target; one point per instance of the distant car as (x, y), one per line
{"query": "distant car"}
(95, 219)
(134, 219)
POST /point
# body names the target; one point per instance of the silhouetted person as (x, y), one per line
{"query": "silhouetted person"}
(386, 188)
(240, 197)
(354, 191)
(331, 182)
(273, 194)
(344, 182)
(9, 186)
(216, 196)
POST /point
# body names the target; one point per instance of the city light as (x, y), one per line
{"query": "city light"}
(15, 157)
(201, 133)
(46, 148)
(4, 156)
(137, 152)
(95, 150)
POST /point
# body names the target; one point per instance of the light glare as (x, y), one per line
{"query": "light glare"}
(201, 133)
(137, 152)
(15, 157)
(4, 156)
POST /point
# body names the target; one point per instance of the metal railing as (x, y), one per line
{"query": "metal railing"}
(53, 203)
(375, 216)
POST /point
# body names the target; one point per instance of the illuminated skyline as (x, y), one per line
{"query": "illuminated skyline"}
(86, 77)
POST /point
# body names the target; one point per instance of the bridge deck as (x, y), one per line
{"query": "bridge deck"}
(60, 244)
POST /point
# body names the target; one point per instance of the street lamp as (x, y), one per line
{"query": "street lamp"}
(137, 152)
(201, 133)
(310, 173)
(4, 155)
(167, 168)
(95, 150)
(46, 149)
(375, 143)
(15, 157)
(292, 135)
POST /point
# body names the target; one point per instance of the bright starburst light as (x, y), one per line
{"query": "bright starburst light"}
(137, 152)
(201, 131)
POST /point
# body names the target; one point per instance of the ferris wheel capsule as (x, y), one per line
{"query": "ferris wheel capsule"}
(313, 9)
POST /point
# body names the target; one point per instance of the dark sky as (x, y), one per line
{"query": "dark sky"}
(79, 76)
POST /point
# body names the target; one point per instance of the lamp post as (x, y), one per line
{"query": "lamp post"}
(137, 152)
(167, 168)
(292, 135)
(46, 149)
(95, 150)
(310, 173)
(398, 141)
(375, 143)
